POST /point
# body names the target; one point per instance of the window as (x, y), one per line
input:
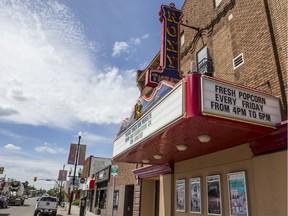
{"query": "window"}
(217, 3)
(48, 199)
(101, 198)
(182, 39)
(204, 64)
(202, 54)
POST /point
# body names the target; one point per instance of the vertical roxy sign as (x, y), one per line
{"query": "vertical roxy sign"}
(169, 68)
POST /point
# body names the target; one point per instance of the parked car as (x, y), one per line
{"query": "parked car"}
(46, 205)
(3, 202)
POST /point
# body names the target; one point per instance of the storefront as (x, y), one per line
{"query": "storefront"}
(101, 187)
(88, 192)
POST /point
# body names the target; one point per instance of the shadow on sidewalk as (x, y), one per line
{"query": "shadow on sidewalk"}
(63, 211)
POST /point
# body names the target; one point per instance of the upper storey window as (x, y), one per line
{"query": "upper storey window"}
(202, 54)
(204, 63)
(182, 39)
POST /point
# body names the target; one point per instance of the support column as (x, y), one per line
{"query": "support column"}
(137, 200)
(166, 195)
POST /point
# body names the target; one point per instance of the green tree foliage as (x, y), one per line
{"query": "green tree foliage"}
(29, 190)
(52, 192)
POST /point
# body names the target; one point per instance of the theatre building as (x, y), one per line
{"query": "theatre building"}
(210, 126)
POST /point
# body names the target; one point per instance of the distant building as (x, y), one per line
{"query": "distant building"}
(91, 167)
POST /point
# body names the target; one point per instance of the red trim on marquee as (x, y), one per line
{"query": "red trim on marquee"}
(193, 95)
(272, 142)
(155, 90)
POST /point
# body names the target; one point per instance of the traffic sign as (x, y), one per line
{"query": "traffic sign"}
(82, 180)
(76, 181)
(114, 170)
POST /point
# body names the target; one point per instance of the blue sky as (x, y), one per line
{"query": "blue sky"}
(69, 66)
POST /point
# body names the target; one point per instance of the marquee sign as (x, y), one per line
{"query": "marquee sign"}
(169, 70)
(145, 103)
(229, 101)
(167, 111)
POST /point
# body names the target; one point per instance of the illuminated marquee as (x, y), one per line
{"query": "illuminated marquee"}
(170, 18)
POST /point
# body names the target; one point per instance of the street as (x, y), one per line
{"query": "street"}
(26, 210)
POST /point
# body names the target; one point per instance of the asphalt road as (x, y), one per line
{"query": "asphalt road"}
(26, 210)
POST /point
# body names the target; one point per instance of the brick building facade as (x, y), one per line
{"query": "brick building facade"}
(257, 29)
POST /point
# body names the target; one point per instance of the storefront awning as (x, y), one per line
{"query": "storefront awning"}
(152, 171)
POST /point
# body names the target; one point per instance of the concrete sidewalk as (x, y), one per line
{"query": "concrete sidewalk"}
(75, 211)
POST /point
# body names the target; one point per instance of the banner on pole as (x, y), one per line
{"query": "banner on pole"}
(62, 175)
(72, 153)
(1, 170)
(82, 155)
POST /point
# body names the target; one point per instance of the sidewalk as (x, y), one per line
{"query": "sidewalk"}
(75, 211)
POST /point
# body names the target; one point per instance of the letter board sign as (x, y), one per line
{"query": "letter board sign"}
(233, 102)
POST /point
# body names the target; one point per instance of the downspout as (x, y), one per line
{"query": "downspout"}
(277, 59)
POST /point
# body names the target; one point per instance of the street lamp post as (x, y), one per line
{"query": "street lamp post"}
(74, 175)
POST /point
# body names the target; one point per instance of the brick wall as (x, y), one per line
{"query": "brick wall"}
(125, 175)
(237, 27)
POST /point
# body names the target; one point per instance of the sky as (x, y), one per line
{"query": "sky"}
(68, 66)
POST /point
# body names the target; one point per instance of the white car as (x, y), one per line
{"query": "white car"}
(47, 205)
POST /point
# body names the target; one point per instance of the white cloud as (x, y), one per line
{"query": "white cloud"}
(8, 133)
(24, 168)
(12, 147)
(146, 36)
(120, 47)
(49, 148)
(135, 41)
(6, 111)
(48, 71)
(93, 139)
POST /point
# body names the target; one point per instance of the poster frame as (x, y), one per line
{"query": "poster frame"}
(242, 176)
(180, 207)
(212, 179)
(197, 182)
